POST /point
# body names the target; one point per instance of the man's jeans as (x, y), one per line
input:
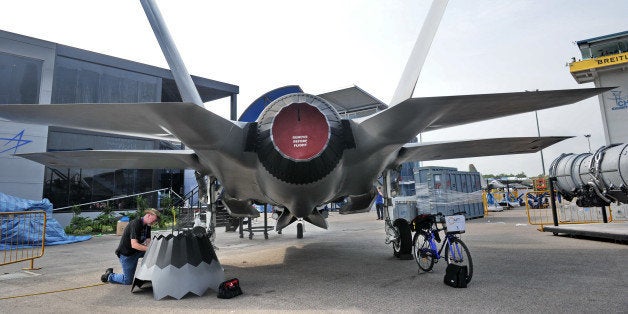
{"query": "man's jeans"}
(129, 264)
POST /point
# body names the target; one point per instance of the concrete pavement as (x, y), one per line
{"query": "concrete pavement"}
(347, 268)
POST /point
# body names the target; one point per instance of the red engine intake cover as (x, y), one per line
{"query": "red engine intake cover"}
(300, 132)
(299, 138)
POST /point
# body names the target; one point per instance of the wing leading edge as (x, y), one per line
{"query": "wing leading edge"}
(474, 148)
(118, 159)
(187, 122)
(402, 122)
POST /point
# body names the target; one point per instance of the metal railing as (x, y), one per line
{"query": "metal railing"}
(22, 237)
(117, 198)
(540, 212)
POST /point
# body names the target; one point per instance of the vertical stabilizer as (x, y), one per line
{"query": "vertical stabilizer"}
(177, 67)
(411, 73)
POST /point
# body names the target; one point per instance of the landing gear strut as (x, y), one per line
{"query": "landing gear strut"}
(299, 230)
(398, 233)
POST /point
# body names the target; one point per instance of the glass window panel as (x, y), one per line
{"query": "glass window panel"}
(128, 90)
(19, 79)
(110, 89)
(79, 81)
(27, 78)
(5, 79)
(147, 91)
(64, 85)
(87, 86)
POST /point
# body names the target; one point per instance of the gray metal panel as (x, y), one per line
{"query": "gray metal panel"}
(24, 178)
(614, 105)
(405, 210)
(352, 99)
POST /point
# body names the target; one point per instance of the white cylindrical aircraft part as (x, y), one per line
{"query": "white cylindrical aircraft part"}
(581, 171)
(596, 179)
(614, 167)
(562, 170)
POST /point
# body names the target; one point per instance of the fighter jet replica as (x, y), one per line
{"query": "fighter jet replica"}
(299, 153)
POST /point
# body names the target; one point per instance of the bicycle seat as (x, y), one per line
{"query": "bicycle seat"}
(422, 222)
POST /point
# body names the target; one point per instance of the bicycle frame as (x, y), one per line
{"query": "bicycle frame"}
(436, 252)
(425, 248)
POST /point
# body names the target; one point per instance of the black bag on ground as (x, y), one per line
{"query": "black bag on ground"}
(456, 276)
(229, 289)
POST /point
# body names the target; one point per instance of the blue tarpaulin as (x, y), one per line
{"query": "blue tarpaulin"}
(15, 232)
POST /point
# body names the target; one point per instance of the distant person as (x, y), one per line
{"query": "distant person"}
(133, 244)
(379, 204)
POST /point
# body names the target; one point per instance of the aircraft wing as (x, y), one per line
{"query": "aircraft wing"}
(118, 159)
(474, 148)
(400, 123)
(187, 122)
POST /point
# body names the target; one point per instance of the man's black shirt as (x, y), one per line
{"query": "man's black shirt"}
(134, 230)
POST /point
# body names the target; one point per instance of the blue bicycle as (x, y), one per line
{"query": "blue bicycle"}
(425, 248)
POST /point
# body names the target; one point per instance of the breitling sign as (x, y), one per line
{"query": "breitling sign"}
(599, 62)
(612, 59)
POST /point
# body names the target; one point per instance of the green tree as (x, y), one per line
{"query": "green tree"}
(105, 222)
(167, 211)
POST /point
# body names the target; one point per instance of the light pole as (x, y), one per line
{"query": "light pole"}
(538, 130)
(588, 136)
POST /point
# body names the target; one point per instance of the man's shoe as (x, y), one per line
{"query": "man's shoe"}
(105, 276)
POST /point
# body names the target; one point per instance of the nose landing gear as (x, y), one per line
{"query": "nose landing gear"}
(299, 230)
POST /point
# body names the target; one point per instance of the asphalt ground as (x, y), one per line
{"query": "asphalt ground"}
(347, 268)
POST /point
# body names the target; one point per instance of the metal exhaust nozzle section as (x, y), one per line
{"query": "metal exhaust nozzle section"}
(596, 179)
(178, 265)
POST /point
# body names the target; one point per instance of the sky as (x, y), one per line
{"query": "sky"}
(481, 47)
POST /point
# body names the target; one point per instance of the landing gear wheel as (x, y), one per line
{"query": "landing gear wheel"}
(299, 231)
(402, 247)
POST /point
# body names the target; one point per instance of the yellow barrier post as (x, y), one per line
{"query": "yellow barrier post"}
(485, 203)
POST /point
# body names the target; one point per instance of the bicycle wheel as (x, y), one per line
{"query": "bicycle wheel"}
(460, 256)
(422, 251)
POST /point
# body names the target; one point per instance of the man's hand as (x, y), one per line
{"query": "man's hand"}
(139, 246)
